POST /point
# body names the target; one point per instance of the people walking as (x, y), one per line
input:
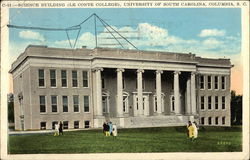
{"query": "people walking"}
(106, 129)
(114, 132)
(56, 130)
(195, 130)
(61, 128)
(190, 130)
(110, 128)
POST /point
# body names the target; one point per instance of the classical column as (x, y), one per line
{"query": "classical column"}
(177, 93)
(119, 102)
(193, 93)
(98, 82)
(139, 91)
(188, 97)
(158, 91)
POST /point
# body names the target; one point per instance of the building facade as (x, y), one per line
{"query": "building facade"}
(85, 87)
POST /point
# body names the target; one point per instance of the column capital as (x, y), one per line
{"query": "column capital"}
(97, 69)
(158, 71)
(120, 70)
(140, 70)
(194, 73)
(177, 72)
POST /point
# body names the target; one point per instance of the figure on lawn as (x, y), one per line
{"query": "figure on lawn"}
(190, 128)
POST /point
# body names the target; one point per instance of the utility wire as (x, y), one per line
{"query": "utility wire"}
(41, 28)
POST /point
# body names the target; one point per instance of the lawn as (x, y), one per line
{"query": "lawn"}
(165, 139)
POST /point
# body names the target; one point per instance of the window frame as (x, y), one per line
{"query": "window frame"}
(209, 102)
(76, 126)
(84, 104)
(223, 84)
(43, 122)
(209, 82)
(54, 105)
(202, 83)
(223, 103)
(41, 78)
(64, 78)
(52, 79)
(74, 79)
(87, 125)
(76, 104)
(63, 104)
(42, 104)
(84, 79)
(202, 103)
(216, 83)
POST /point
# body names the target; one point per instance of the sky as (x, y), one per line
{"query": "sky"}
(206, 32)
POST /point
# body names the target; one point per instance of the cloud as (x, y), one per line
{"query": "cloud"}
(31, 35)
(211, 32)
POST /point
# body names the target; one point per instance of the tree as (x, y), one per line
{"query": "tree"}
(236, 109)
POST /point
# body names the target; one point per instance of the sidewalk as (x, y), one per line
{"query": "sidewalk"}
(46, 131)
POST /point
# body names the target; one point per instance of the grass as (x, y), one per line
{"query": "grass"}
(166, 139)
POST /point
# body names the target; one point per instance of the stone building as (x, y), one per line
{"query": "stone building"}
(86, 87)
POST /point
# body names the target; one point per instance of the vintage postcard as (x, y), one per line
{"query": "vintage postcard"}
(125, 80)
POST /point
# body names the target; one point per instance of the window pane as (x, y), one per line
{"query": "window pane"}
(209, 82)
(65, 125)
(65, 103)
(86, 103)
(76, 103)
(85, 78)
(76, 124)
(74, 79)
(41, 77)
(54, 103)
(53, 78)
(86, 124)
(43, 125)
(42, 104)
(64, 78)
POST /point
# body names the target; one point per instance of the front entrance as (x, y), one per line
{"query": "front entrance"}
(145, 105)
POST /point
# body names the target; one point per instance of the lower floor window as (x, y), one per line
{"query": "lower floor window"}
(216, 120)
(223, 120)
(76, 124)
(202, 120)
(65, 125)
(209, 120)
(43, 125)
(86, 124)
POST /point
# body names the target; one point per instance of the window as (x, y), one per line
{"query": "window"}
(85, 81)
(202, 102)
(76, 103)
(123, 83)
(209, 102)
(202, 82)
(53, 78)
(216, 102)
(41, 78)
(64, 78)
(103, 83)
(216, 82)
(86, 103)
(86, 124)
(125, 103)
(42, 104)
(223, 120)
(65, 103)
(202, 120)
(216, 120)
(209, 120)
(209, 82)
(104, 104)
(223, 82)
(53, 124)
(223, 99)
(43, 126)
(76, 124)
(74, 79)
(54, 103)
(65, 125)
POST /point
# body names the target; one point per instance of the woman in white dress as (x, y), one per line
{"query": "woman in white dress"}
(114, 133)
(195, 130)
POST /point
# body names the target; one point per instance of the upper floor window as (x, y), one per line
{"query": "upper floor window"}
(223, 99)
(85, 78)
(223, 82)
(64, 78)
(202, 102)
(76, 103)
(216, 82)
(202, 86)
(209, 102)
(209, 82)
(41, 82)
(74, 78)
(86, 103)
(54, 103)
(42, 104)
(65, 103)
(53, 78)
